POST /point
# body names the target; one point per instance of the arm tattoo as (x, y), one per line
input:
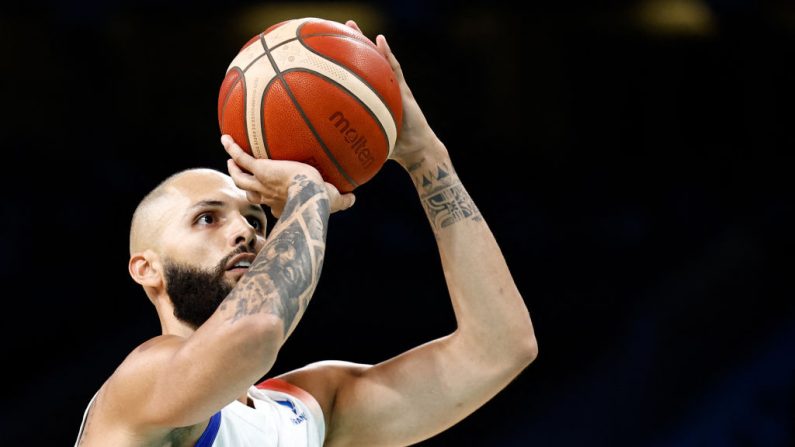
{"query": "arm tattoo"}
(444, 198)
(284, 274)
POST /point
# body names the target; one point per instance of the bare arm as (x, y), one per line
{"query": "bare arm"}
(181, 381)
(429, 388)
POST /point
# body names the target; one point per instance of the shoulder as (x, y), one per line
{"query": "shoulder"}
(126, 388)
(115, 411)
(322, 380)
(142, 362)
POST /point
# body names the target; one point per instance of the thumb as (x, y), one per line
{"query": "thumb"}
(254, 197)
(338, 201)
(348, 200)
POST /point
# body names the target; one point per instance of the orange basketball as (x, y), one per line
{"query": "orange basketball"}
(315, 91)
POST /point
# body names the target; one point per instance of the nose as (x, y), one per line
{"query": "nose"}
(242, 233)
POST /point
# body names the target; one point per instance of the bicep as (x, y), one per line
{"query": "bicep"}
(174, 382)
(413, 396)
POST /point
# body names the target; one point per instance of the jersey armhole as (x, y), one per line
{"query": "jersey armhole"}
(208, 437)
(85, 418)
(306, 398)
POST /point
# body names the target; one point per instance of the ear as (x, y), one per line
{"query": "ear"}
(145, 269)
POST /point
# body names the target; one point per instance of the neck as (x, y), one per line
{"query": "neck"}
(169, 324)
(173, 326)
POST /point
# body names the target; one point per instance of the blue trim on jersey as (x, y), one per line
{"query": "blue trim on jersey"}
(208, 437)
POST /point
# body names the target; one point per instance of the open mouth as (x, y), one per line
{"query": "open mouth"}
(241, 262)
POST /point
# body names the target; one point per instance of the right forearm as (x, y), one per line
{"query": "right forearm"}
(242, 339)
(284, 274)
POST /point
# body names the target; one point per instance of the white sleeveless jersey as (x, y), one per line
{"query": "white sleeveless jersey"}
(283, 416)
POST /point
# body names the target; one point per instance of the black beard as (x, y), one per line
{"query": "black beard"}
(196, 293)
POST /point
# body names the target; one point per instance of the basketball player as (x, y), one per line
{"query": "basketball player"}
(228, 298)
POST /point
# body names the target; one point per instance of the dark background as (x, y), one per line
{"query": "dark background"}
(632, 159)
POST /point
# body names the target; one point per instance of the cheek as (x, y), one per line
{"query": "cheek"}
(198, 252)
(259, 244)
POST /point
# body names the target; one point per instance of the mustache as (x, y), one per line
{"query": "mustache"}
(239, 250)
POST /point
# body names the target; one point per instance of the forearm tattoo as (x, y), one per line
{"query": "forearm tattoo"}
(444, 198)
(284, 274)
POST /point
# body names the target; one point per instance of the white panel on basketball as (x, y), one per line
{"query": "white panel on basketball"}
(247, 55)
(257, 78)
(295, 55)
(258, 73)
(286, 31)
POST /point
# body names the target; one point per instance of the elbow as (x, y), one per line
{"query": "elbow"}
(261, 337)
(529, 350)
(522, 352)
(528, 344)
(525, 348)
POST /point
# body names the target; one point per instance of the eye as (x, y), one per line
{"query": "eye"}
(256, 223)
(205, 219)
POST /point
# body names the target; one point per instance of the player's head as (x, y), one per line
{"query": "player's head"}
(191, 240)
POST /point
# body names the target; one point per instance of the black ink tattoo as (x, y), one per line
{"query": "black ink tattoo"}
(444, 198)
(284, 274)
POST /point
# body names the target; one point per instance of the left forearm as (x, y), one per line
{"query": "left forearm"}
(489, 309)
(429, 388)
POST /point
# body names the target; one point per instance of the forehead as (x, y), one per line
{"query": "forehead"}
(204, 182)
(195, 187)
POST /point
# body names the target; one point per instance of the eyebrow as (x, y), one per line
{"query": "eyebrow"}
(221, 203)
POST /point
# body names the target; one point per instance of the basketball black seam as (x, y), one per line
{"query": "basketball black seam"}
(262, 99)
(303, 115)
(261, 40)
(241, 79)
(252, 62)
(349, 93)
(283, 43)
(301, 38)
(341, 65)
(262, 107)
(344, 36)
(228, 94)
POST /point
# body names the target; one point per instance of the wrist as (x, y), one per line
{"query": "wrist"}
(308, 181)
(431, 170)
(431, 152)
